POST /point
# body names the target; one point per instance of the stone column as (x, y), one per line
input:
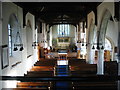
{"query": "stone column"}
(100, 43)
(44, 35)
(90, 56)
(76, 35)
(0, 53)
(90, 38)
(48, 35)
(100, 64)
(51, 36)
(0, 43)
(79, 39)
(119, 48)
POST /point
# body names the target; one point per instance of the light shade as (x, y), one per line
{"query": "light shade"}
(98, 47)
(15, 49)
(93, 47)
(82, 44)
(102, 47)
(21, 48)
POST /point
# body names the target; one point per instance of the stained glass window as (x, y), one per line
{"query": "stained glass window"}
(63, 30)
(10, 40)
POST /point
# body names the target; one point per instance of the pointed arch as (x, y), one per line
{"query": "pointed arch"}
(29, 38)
(101, 39)
(90, 39)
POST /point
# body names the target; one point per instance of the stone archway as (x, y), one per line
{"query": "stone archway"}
(12, 32)
(29, 39)
(112, 47)
(90, 58)
(101, 41)
(14, 39)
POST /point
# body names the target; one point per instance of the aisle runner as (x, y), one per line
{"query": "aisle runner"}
(62, 70)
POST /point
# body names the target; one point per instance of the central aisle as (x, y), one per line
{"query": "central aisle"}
(62, 70)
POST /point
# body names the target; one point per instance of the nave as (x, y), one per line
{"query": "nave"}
(65, 74)
(32, 34)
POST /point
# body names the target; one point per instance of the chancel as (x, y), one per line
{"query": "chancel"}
(59, 45)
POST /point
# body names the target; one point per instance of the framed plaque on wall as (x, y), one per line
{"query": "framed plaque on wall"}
(4, 56)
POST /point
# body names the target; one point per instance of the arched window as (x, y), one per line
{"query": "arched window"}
(10, 39)
(63, 30)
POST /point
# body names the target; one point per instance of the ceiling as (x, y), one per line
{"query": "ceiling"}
(59, 12)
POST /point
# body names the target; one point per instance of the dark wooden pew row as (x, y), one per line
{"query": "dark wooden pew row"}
(111, 68)
(50, 61)
(111, 85)
(79, 74)
(25, 89)
(75, 62)
(76, 59)
(42, 68)
(45, 63)
(84, 67)
(45, 59)
(39, 74)
(83, 70)
(45, 85)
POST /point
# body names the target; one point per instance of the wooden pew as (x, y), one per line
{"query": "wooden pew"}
(42, 68)
(25, 89)
(84, 67)
(75, 62)
(45, 63)
(46, 59)
(111, 68)
(39, 74)
(84, 70)
(95, 85)
(33, 84)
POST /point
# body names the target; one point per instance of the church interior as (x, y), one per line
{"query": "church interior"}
(60, 45)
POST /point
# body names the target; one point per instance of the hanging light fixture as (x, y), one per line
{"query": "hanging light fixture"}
(82, 44)
(93, 47)
(18, 43)
(98, 47)
(15, 49)
(102, 47)
(78, 41)
(34, 44)
(98, 44)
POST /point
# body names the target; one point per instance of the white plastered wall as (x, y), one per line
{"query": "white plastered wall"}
(8, 9)
(26, 63)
